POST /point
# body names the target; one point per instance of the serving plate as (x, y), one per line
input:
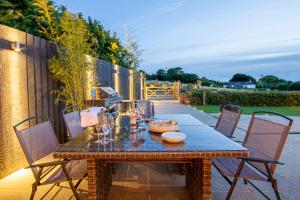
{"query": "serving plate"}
(161, 126)
(173, 137)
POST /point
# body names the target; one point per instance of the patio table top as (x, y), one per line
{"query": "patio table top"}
(182, 119)
(201, 141)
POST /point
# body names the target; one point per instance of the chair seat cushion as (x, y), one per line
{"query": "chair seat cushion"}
(77, 169)
(229, 166)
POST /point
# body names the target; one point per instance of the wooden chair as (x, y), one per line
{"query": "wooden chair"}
(228, 121)
(38, 143)
(71, 117)
(265, 141)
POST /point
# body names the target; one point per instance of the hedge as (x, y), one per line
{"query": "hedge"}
(245, 98)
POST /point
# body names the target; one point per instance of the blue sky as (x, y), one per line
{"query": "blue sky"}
(213, 38)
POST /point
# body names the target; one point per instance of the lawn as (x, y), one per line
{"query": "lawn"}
(289, 111)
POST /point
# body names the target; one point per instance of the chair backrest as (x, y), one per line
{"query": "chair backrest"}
(72, 122)
(37, 141)
(149, 107)
(227, 122)
(265, 139)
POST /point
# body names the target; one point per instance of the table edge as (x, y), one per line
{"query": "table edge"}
(152, 155)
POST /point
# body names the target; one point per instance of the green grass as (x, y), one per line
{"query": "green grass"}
(289, 111)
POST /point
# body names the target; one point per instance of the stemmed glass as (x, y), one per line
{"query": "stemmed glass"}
(142, 111)
(105, 130)
(134, 116)
(98, 128)
(110, 121)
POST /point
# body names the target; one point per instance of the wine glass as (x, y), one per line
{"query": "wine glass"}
(142, 110)
(141, 135)
(110, 124)
(105, 130)
(98, 128)
(133, 119)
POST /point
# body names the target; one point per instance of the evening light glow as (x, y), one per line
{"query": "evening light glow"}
(215, 39)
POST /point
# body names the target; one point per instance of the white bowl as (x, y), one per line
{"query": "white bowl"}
(173, 137)
(162, 126)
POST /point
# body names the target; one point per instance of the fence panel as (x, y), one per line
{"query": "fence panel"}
(26, 87)
(26, 90)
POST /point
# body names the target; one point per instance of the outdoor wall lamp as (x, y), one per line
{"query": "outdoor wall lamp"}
(130, 72)
(16, 46)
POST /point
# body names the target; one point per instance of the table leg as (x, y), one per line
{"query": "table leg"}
(99, 179)
(198, 179)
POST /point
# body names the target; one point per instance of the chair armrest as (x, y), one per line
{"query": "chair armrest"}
(260, 160)
(48, 164)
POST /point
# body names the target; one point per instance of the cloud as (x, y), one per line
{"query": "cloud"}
(214, 50)
(282, 60)
(168, 8)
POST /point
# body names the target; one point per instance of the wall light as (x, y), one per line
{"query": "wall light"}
(16, 46)
(141, 74)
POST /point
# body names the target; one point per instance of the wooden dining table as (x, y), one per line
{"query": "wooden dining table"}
(202, 144)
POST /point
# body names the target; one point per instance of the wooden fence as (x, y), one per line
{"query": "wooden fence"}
(162, 90)
(26, 90)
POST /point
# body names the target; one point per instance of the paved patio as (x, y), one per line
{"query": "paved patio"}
(288, 175)
(148, 181)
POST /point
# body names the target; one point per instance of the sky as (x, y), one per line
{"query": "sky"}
(212, 38)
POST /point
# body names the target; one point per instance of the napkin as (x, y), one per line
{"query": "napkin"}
(89, 117)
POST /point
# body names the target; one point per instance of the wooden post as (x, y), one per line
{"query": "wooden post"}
(204, 98)
(143, 87)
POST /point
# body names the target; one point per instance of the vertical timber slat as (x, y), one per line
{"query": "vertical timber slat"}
(31, 80)
(27, 90)
(38, 76)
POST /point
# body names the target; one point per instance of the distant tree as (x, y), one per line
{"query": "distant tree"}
(161, 75)
(295, 86)
(271, 79)
(207, 82)
(148, 76)
(242, 78)
(275, 83)
(189, 78)
(151, 76)
(283, 86)
(175, 74)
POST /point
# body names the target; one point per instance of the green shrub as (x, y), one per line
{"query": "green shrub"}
(245, 98)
